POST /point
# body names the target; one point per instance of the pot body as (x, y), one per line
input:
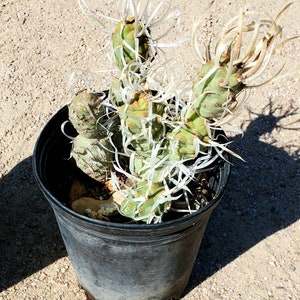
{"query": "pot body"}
(117, 261)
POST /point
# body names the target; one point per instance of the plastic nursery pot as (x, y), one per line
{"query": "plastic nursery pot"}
(116, 260)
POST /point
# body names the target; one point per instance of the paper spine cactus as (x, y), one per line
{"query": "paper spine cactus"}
(165, 144)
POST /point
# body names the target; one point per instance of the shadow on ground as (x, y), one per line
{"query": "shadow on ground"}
(29, 236)
(262, 197)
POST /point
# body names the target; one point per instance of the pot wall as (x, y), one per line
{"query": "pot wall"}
(112, 266)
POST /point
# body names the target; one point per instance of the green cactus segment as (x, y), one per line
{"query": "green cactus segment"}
(146, 204)
(129, 43)
(92, 156)
(142, 121)
(85, 110)
(151, 168)
(210, 98)
(186, 141)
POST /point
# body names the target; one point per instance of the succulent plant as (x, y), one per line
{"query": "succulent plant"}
(158, 140)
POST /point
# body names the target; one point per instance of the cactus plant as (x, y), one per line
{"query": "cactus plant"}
(161, 140)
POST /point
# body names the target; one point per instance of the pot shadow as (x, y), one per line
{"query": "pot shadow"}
(29, 236)
(262, 197)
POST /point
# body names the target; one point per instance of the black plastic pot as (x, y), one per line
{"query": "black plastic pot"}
(115, 260)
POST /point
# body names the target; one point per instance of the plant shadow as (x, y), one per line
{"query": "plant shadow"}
(29, 236)
(262, 197)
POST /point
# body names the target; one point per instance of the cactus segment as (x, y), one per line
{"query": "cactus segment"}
(211, 99)
(150, 168)
(146, 204)
(142, 121)
(186, 141)
(92, 156)
(197, 124)
(130, 43)
(85, 110)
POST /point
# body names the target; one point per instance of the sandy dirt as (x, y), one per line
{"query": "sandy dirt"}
(251, 246)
